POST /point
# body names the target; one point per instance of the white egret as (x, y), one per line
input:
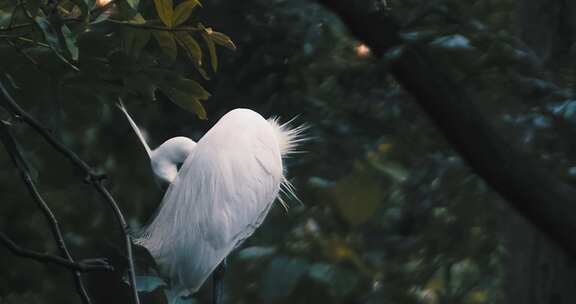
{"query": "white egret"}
(226, 185)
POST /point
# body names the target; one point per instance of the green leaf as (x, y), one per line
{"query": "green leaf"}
(70, 41)
(47, 31)
(84, 6)
(133, 3)
(100, 18)
(148, 283)
(340, 281)
(186, 100)
(141, 86)
(125, 10)
(135, 40)
(191, 46)
(191, 87)
(281, 277)
(357, 197)
(164, 8)
(183, 11)
(160, 74)
(212, 51)
(320, 182)
(51, 36)
(6, 16)
(393, 170)
(120, 64)
(12, 81)
(167, 43)
(256, 252)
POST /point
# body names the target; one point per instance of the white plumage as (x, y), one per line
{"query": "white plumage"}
(221, 194)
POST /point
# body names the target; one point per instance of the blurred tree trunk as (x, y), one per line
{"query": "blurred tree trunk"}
(538, 271)
(549, 28)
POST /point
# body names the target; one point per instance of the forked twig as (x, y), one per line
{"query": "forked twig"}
(97, 180)
(11, 145)
(94, 265)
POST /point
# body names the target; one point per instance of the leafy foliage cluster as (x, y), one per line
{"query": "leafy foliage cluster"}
(85, 47)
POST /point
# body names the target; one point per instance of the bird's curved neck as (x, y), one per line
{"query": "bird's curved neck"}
(169, 156)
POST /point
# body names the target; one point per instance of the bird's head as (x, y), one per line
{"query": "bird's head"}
(169, 156)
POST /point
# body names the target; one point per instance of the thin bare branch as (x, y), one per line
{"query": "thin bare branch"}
(93, 265)
(23, 38)
(16, 27)
(154, 27)
(20, 163)
(97, 180)
(117, 22)
(11, 25)
(24, 54)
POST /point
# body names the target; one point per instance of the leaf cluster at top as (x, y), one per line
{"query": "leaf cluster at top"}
(107, 46)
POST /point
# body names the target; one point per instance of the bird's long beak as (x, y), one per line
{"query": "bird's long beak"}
(122, 108)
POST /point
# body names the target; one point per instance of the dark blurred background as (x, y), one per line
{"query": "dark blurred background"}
(389, 213)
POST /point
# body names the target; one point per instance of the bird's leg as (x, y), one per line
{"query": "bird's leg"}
(218, 283)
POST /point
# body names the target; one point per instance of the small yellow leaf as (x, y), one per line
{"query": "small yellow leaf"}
(478, 296)
(191, 46)
(202, 72)
(165, 11)
(183, 11)
(384, 148)
(342, 252)
(199, 110)
(222, 40)
(212, 51)
(435, 284)
(191, 87)
(138, 19)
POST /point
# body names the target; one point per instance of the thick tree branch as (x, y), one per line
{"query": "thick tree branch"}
(88, 266)
(18, 159)
(544, 199)
(97, 180)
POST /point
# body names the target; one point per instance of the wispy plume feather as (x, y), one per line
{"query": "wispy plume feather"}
(289, 138)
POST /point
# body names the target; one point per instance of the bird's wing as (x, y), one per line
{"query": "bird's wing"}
(220, 196)
(241, 183)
